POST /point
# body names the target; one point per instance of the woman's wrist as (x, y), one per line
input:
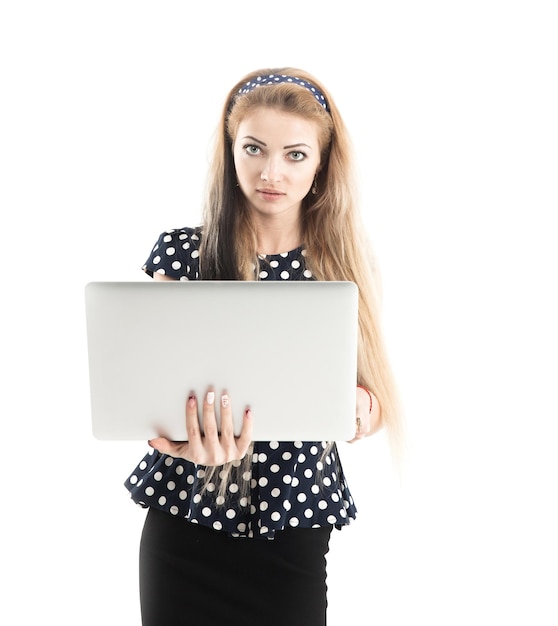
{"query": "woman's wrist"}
(369, 396)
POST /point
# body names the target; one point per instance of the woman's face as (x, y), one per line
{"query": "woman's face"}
(276, 156)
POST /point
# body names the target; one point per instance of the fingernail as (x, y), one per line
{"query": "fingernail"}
(191, 400)
(210, 398)
(225, 400)
(248, 413)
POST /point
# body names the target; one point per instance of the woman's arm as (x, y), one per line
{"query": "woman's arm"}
(368, 421)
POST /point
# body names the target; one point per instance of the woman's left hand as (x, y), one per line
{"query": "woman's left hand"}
(210, 447)
(367, 421)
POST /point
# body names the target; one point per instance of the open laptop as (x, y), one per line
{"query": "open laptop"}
(288, 350)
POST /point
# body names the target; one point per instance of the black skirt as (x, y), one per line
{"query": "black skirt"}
(191, 575)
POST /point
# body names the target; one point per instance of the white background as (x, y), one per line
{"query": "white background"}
(107, 110)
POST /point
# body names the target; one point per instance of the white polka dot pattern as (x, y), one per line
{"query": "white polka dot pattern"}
(286, 490)
(275, 79)
(291, 483)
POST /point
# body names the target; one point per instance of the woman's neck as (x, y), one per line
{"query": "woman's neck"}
(275, 238)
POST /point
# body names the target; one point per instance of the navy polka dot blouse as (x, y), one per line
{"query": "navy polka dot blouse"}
(291, 484)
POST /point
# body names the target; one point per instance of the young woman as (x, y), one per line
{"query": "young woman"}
(237, 531)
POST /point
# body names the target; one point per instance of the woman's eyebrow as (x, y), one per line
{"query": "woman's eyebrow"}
(256, 140)
(290, 147)
(297, 145)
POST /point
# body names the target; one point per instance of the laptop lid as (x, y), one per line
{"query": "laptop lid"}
(287, 350)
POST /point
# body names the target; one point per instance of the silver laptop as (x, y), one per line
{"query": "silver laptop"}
(288, 350)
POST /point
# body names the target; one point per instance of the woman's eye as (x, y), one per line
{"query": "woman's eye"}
(297, 156)
(251, 149)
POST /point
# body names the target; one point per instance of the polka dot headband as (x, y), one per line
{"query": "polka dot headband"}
(275, 79)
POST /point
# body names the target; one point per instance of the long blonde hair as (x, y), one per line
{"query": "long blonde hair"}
(337, 247)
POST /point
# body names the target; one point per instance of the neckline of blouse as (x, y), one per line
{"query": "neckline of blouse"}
(284, 255)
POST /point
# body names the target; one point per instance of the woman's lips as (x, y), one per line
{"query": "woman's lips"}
(270, 194)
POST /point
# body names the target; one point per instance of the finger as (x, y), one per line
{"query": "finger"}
(160, 443)
(193, 423)
(210, 430)
(360, 429)
(172, 448)
(244, 440)
(227, 425)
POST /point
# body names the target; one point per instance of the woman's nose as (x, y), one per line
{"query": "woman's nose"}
(271, 172)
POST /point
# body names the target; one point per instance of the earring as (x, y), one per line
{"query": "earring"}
(314, 188)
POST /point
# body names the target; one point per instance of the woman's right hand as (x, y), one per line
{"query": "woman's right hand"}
(212, 448)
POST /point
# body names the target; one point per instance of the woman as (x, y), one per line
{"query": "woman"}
(237, 531)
